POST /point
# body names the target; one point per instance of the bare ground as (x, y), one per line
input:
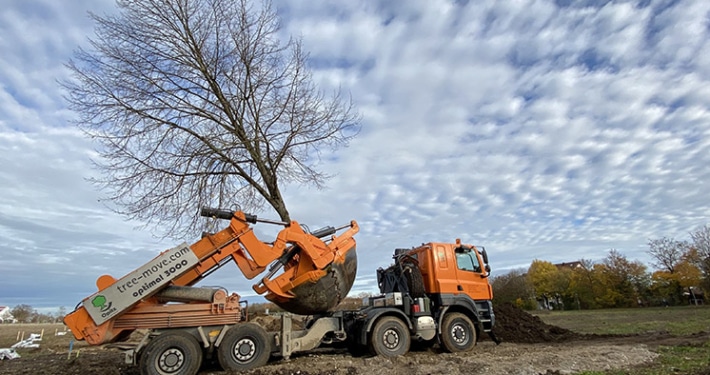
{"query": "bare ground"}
(530, 347)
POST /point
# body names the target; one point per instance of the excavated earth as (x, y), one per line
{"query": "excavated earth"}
(529, 346)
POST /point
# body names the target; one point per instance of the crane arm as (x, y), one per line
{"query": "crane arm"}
(304, 258)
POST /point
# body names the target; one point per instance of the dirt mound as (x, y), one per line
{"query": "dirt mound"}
(273, 323)
(515, 325)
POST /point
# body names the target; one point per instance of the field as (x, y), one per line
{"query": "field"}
(683, 320)
(688, 351)
(671, 340)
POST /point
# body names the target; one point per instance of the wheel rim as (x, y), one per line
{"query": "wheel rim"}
(244, 350)
(459, 334)
(171, 360)
(390, 339)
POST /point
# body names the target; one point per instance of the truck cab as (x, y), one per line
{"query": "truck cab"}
(439, 292)
(453, 268)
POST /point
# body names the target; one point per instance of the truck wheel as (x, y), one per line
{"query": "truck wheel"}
(457, 333)
(171, 354)
(244, 347)
(390, 338)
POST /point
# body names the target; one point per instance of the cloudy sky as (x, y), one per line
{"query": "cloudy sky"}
(552, 130)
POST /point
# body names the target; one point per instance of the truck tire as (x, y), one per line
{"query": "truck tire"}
(390, 337)
(457, 333)
(415, 280)
(244, 347)
(171, 353)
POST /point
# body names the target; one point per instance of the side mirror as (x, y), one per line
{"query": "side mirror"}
(488, 272)
(484, 254)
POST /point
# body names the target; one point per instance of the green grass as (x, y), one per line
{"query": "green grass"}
(679, 321)
(682, 320)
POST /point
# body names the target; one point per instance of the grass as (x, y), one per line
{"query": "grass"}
(52, 338)
(680, 321)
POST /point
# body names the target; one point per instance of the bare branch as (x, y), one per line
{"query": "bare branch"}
(667, 253)
(197, 102)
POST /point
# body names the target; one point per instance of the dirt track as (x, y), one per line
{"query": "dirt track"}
(507, 358)
(530, 347)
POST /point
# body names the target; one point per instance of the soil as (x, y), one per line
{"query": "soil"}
(529, 346)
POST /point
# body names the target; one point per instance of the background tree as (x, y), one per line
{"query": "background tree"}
(667, 253)
(61, 312)
(671, 286)
(197, 102)
(700, 253)
(23, 313)
(543, 277)
(513, 287)
(583, 285)
(551, 283)
(675, 271)
(624, 281)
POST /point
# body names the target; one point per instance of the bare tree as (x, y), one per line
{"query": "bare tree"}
(700, 253)
(23, 313)
(667, 253)
(512, 286)
(198, 102)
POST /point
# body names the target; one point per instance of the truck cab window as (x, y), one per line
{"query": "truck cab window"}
(467, 261)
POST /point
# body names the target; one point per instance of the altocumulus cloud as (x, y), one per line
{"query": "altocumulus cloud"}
(540, 129)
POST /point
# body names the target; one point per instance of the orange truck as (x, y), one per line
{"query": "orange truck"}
(434, 293)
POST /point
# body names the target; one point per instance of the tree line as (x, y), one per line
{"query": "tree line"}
(679, 274)
(24, 313)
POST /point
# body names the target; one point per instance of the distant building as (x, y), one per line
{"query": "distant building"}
(6, 316)
(572, 265)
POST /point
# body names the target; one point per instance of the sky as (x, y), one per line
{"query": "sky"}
(552, 130)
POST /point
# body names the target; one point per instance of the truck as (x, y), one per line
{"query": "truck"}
(432, 293)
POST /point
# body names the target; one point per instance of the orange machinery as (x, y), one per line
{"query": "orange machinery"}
(140, 299)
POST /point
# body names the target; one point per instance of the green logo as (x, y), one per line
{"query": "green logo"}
(100, 302)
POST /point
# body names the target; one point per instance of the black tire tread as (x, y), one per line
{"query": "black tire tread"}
(236, 333)
(384, 323)
(447, 341)
(183, 341)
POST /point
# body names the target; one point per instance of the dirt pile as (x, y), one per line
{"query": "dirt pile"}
(273, 323)
(515, 325)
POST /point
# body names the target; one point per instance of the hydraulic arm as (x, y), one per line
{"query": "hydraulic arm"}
(316, 269)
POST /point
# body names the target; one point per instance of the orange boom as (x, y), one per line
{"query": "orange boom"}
(140, 299)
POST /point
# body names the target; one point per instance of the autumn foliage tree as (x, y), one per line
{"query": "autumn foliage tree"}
(616, 281)
(585, 284)
(543, 277)
(550, 281)
(199, 103)
(613, 282)
(625, 281)
(676, 268)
